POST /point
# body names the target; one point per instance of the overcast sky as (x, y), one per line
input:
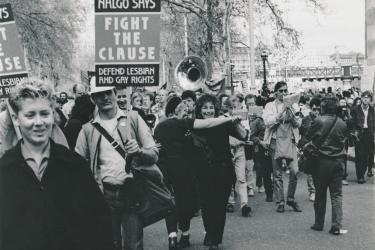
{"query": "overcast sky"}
(342, 24)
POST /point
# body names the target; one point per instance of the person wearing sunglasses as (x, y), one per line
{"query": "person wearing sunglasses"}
(277, 116)
(306, 124)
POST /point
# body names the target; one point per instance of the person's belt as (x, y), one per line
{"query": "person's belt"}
(111, 187)
(114, 187)
(236, 147)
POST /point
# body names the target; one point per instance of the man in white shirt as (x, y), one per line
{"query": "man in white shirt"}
(110, 168)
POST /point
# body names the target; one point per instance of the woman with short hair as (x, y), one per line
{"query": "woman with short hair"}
(49, 199)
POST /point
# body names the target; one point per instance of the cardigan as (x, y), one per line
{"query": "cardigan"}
(65, 210)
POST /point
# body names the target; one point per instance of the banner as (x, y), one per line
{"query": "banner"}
(127, 42)
(12, 60)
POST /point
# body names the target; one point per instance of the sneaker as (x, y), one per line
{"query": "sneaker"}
(172, 243)
(245, 210)
(280, 208)
(337, 231)
(261, 189)
(369, 173)
(214, 247)
(345, 182)
(361, 181)
(312, 197)
(251, 193)
(184, 241)
(230, 208)
(294, 205)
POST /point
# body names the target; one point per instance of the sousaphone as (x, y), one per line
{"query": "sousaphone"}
(191, 73)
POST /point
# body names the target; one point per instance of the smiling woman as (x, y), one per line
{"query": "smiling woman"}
(216, 175)
(53, 184)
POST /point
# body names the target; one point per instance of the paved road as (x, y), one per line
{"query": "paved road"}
(268, 230)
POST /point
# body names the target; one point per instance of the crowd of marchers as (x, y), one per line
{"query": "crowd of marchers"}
(67, 181)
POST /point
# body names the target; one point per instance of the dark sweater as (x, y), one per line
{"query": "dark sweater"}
(66, 210)
(71, 132)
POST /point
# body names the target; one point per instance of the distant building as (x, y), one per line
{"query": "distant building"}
(348, 59)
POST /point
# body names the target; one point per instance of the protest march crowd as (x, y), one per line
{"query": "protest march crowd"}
(90, 172)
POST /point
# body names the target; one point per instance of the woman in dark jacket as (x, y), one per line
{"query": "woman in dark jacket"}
(177, 166)
(215, 173)
(49, 199)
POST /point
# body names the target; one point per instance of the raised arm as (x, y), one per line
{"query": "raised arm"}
(210, 122)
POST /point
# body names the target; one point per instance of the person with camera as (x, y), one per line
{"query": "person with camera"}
(111, 171)
(363, 121)
(262, 159)
(306, 124)
(343, 111)
(328, 133)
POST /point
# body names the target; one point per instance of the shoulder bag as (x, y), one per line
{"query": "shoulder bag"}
(152, 200)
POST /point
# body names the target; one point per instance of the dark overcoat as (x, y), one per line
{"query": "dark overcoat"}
(65, 210)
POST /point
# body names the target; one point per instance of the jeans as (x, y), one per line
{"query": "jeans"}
(278, 185)
(123, 217)
(328, 176)
(250, 173)
(310, 184)
(239, 163)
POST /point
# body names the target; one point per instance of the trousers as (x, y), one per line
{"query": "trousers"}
(123, 219)
(214, 186)
(310, 184)
(328, 175)
(364, 153)
(278, 184)
(263, 165)
(239, 163)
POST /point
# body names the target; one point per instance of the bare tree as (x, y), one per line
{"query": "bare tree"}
(212, 17)
(48, 29)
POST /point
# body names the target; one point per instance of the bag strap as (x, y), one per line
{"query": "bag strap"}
(114, 144)
(325, 136)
